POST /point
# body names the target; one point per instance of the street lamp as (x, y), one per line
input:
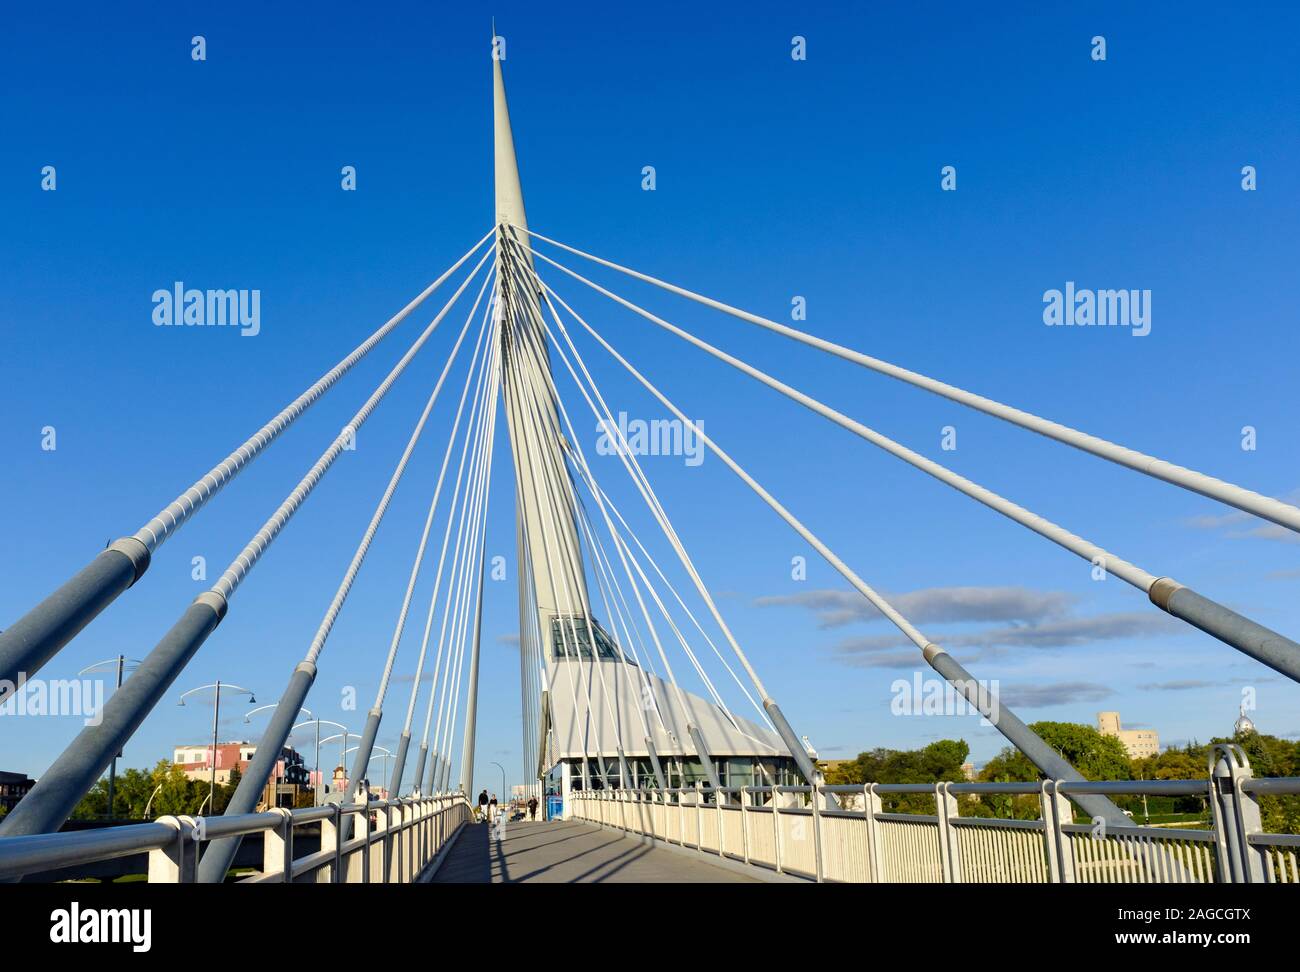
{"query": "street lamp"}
(379, 751)
(120, 664)
(216, 687)
(345, 735)
(503, 776)
(317, 723)
(275, 782)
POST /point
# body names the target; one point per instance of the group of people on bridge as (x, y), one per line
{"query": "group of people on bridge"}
(488, 807)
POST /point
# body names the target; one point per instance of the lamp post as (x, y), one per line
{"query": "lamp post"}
(379, 751)
(216, 687)
(120, 664)
(503, 778)
(345, 735)
(275, 780)
(317, 723)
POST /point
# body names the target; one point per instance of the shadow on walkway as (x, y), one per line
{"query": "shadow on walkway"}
(567, 852)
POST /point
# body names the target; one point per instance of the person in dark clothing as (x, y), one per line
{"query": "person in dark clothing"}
(483, 806)
(492, 809)
(532, 808)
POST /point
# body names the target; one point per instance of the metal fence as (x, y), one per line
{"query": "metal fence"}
(843, 834)
(392, 842)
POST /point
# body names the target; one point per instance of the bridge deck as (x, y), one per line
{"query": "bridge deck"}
(569, 852)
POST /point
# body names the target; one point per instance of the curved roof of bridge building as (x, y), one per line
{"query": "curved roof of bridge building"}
(603, 700)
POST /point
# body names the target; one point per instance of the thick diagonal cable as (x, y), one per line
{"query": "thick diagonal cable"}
(585, 472)
(1038, 752)
(560, 489)
(474, 564)
(32, 640)
(593, 485)
(220, 853)
(527, 413)
(464, 475)
(1249, 501)
(611, 607)
(674, 734)
(522, 287)
(617, 606)
(76, 770)
(1251, 638)
(626, 454)
(365, 746)
(647, 494)
(460, 588)
(404, 740)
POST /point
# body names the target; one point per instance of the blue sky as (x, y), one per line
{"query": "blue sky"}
(775, 178)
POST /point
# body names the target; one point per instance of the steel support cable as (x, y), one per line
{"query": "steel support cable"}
(515, 380)
(1091, 552)
(611, 608)
(221, 853)
(530, 640)
(712, 690)
(365, 746)
(692, 731)
(557, 477)
(576, 453)
(464, 590)
(644, 666)
(32, 640)
(530, 679)
(519, 400)
(400, 624)
(1249, 501)
(584, 470)
(592, 484)
(1251, 638)
(1042, 755)
(399, 762)
(472, 582)
(442, 678)
(672, 678)
(617, 605)
(235, 573)
(624, 451)
(473, 434)
(478, 401)
(80, 765)
(560, 489)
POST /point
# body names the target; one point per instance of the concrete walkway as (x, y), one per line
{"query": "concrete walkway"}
(568, 852)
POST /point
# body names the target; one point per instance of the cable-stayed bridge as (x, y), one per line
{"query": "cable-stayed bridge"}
(626, 759)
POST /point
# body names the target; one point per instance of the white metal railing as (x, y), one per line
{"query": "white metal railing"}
(843, 834)
(392, 842)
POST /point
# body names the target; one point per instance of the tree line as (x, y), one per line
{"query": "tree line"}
(1096, 756)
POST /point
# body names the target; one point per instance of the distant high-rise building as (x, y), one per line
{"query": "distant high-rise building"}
(1140, 743)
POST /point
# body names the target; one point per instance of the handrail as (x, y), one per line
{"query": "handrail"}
(855, 838)
(37, 853)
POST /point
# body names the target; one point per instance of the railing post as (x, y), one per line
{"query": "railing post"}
(776, 828)
(277, 847)
(744, 821)
(1235, 816)
(699, 815)
(177, 861)
(1056, 813)
(722, 827)
(946, 808)
(871, 806)
(329, 841)
(359, 860)
(820, 865)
